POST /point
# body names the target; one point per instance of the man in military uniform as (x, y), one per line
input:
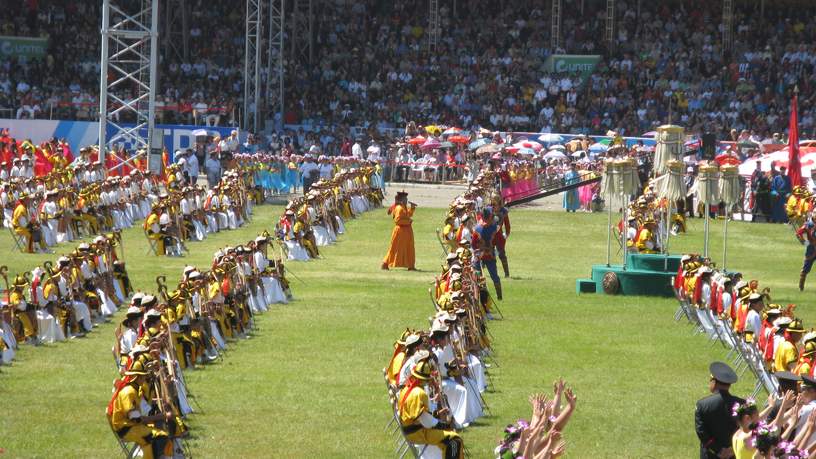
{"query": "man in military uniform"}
(712, 419)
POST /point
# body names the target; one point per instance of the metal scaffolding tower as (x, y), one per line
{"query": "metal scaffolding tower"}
(610, 23)
(433, 25)
(274, 63)
(252, 65)
(555, 28)
(302, 33)
(728, 26)
(127, 83)
(176, 28)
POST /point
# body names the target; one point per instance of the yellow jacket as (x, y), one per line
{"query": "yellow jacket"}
(395, 367)
(126, 401)
(413, 405)
(646, 242)
(20, 216)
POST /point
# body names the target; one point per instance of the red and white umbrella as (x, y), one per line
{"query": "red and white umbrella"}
(418, 140)
(531, 144)
(453, 131)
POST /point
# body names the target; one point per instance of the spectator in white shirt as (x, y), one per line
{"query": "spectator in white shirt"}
(192, 167)
(373, 151)
(309, 172)
(213, 168)
(357, 150)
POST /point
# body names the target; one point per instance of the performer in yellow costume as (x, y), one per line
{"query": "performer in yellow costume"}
(416, 418)
(151, 225)
(303, 229)
(806, 361)
(127, 421)
(403, 347)
(23, 225)
(798, 206)
(27, 318)
(646, 241)
(786, 355)
(401, 253)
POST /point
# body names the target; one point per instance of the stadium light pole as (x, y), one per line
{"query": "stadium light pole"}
(129, 60)
(610, 23)
(433, 25)
(728, 26)
(302, 30)
(252, 64)
(555, 26)
(274, 64)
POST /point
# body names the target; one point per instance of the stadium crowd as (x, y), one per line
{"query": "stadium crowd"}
(202, 89)
(488, 70)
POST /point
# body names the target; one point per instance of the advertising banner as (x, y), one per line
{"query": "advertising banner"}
(25, 47)
(573, 63)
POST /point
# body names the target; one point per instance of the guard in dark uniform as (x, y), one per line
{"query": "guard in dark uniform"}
(713, 421)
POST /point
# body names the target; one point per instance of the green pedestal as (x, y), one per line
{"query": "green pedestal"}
(645, 274)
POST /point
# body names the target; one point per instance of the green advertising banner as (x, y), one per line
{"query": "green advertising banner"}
(573, 63)
(28, 47)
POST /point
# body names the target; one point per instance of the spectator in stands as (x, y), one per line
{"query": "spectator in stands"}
(192, 167)
(213, 169)
(371, 67)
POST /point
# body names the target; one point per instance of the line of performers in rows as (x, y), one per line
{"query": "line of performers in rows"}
(61, 206)
(65, 299)
(772, 330)
(316, 219)
(191, 212)
(436, 378)
(190, 325)
(480, 219)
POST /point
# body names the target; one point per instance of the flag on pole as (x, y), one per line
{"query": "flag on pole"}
(794, 166)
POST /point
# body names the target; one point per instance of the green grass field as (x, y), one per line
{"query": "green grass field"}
(309, 383)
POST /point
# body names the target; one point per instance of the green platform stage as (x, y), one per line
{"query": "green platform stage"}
(645, 274)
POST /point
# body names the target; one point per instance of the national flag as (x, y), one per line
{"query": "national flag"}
(794, 167)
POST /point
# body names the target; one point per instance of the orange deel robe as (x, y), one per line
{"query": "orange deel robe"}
(401, 251)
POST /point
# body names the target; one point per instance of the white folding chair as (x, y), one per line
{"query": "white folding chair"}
(705, 324)
(152, 244)
(20, 241)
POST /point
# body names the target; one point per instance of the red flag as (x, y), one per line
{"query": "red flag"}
(794, 167)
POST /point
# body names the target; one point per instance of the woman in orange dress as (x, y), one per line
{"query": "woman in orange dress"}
(401, 251)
